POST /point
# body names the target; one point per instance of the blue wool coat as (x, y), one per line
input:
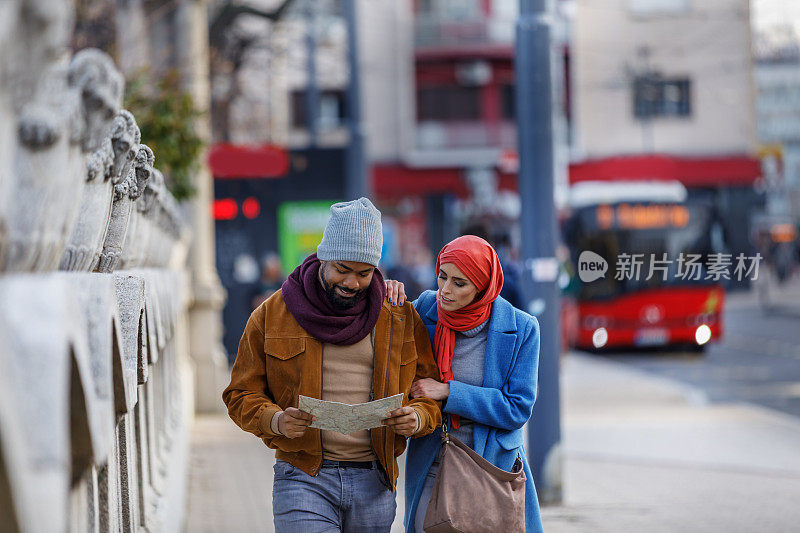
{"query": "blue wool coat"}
(499, 409)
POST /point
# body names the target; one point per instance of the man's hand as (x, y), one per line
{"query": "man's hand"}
(403, 421)
(294, 422)
(395, 291)
(430, 388)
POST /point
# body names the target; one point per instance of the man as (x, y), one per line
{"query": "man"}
(330, 334)
(270, 281)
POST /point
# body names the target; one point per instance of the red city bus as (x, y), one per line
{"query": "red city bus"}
(624, 310)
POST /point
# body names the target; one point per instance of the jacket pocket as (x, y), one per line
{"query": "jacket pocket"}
(511, 440)
(408, 367)
(284, 349)
(284, 369)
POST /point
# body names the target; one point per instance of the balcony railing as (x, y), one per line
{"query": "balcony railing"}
(452, 135)
(433, 32)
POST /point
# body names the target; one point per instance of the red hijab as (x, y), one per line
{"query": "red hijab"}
(479, 262)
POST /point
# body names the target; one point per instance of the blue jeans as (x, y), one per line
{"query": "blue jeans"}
(465, 435)
(336, 499)
(425, 497)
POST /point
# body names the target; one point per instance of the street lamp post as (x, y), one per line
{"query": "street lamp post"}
(312, 90)
(538, 230)
(356, 168)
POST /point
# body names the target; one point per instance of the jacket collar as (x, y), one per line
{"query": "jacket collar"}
(433, 313)
(503, 319)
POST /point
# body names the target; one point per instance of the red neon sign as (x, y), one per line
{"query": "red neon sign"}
(251, 207)
(225, 209)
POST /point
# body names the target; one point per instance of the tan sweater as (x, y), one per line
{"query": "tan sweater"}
(347, 378)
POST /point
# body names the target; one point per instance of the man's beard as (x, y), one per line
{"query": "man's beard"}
(340, 302)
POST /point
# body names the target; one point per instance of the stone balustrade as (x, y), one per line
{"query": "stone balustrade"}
(95, 379)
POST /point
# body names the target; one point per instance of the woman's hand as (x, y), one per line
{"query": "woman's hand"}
(430, 388)
(395, 291)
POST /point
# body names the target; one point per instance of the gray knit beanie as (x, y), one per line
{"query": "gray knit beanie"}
(353, 233)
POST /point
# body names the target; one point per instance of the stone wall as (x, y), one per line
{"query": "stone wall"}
(95, 377)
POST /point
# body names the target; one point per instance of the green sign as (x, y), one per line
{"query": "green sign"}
(300, 228)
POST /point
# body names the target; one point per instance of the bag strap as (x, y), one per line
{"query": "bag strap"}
(446, 439)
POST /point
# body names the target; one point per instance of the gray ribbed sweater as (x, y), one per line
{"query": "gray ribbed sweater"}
(468, 363)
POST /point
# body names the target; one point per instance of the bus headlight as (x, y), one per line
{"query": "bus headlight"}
(702, 334)
(600, 337)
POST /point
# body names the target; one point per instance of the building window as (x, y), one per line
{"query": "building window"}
(450, 9)
(448, 103)
(646, 8)
(654, 96)
(330, 115)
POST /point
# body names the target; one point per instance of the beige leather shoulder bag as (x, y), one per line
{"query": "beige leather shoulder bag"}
(471, 495)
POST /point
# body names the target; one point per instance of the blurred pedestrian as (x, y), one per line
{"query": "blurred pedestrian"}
(403, 273)
(270, 280)
(487, 352)
(512, 271)
(334, 303)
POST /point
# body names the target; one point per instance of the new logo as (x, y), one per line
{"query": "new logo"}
(591, 266)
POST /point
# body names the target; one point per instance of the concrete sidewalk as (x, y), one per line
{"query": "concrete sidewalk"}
(640, 454)
(230, 480)
(769, 296)
(646, 454)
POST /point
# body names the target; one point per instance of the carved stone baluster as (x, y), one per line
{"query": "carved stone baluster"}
(103, 165)
(150, 204)
(67, 118)
(125, 195)
(125, 139)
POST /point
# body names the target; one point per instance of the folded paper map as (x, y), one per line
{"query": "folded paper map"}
(345, 418)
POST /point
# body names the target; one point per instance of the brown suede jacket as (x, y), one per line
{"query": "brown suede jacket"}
(278, 360)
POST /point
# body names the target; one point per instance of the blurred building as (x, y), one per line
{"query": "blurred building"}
(437, 101)
(438, 106)
(289, 75)
(663, 89)
(454, 116)
(777, 75)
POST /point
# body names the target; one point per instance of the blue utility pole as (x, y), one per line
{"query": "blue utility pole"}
(312, 90)
(356, 167)
(538, 231)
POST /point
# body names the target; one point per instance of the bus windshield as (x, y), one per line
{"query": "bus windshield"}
(646, 228)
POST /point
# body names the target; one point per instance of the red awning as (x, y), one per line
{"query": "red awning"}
(393, 181)
(241, 161)
(692, 172)
(397, 181)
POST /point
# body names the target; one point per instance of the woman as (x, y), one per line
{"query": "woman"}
(488, 355)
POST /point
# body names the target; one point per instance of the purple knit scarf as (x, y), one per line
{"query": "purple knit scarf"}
(309, 305)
